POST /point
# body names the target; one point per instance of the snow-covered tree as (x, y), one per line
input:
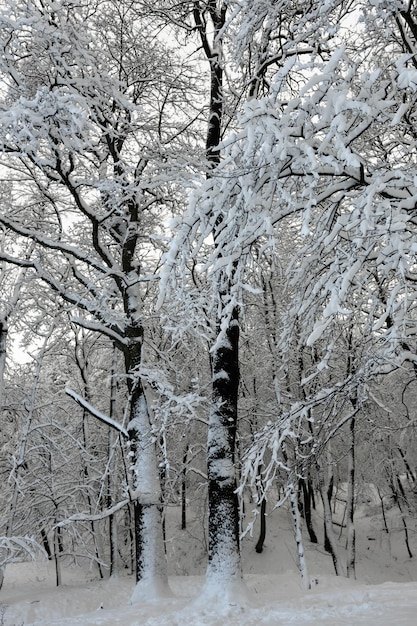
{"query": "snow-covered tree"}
(260, 56)
(91, 117)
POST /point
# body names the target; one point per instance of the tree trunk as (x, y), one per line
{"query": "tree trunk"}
(410, 474)
(307, 499)
(58, 548)
(4, 323)
(3, 339)
(330, 541)
(350, 504)
(130, 536)
(302, 566)
(398, 495)
(262, 533)
(184, 489)
(81, 360)
(146, 494)
(224, 564)
(86, 473)
(151, 574)
(384, 517)
(113, 542)
(45, 543)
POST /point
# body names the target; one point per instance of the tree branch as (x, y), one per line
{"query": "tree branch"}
(96, 413)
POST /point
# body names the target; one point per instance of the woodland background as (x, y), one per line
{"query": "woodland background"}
(207, 276)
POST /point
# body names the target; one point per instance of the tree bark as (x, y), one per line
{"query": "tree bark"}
(262, 533)
(184, 489)
(3, 337)
(397, 499)
(330, 540)
(3, 340)
(350, 504)
(223, 535)
(151, 572)
(57, 550)
(302, 566)
(224, 562)
(113, 537)
(307, 500)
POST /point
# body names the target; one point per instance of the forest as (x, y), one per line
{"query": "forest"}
(208, 279)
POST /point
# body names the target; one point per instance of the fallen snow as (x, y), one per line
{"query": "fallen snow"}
(270, 600)
(271, 596)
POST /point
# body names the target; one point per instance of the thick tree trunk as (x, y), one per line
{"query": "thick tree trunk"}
(45, 543)
(224, 564)
(224, 575)
(146, 494)
(151, 574)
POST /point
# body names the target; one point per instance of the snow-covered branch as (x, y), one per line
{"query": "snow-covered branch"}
(96, 413)
(100, 328)
(87, 517)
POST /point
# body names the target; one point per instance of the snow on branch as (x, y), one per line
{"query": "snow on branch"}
(100, 328)
(270, 447)
(96, 413)
(53, 283)
(18, 548)
(71, 251)
(86, 517)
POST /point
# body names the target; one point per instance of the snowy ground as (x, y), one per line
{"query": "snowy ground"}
(384, 593)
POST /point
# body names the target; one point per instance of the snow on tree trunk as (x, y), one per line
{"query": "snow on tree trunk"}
(224, 565)
(302, 566)
(151, 575)
(224, 574)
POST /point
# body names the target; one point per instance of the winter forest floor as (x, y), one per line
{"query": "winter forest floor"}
(384, 592)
